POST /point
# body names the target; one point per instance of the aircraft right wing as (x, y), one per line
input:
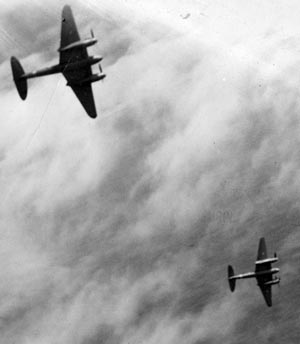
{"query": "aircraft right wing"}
(267, 293)
(86, 98)
(84, 92)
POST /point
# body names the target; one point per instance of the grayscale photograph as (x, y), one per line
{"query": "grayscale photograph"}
(149, 172)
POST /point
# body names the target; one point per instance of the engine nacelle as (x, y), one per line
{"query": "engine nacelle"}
(82, 64)
(274, 281)
(267, 272)
(267, 260)
(94, 78)
(80, 44)
(89, 80)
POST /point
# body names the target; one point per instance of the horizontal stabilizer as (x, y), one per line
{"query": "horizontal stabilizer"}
(230, 279)
(18, 75)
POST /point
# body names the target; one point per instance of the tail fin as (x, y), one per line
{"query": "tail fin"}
(19, 79)
(231, 280)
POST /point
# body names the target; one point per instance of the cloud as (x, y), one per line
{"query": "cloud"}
(120, 229)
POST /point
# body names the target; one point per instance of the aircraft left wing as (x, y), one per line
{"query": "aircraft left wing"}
(262, 249)
(69, 35)
(261, 256)
(267, 293)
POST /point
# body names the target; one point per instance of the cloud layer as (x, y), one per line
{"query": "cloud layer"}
(119, 230)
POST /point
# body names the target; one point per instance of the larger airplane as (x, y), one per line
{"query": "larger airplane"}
(74, 63)
(263, 273)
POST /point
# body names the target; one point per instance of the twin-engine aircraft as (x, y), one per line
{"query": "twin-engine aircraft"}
(74, 63)
(263, 273)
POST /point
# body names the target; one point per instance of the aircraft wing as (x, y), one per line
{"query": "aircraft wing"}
(262, 249)
(69, 35)
(86, 98)
(83, 92)
(267, 293)
(261, 255)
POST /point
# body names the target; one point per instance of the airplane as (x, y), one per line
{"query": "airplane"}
(74, 63)
(263, 273)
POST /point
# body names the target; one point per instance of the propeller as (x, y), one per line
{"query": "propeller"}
(101, 71)
(92, 33)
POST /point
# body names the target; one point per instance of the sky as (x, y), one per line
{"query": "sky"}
(119, 230)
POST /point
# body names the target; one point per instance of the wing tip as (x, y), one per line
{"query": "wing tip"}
(92, 112)
(92, 115)
(262, 241)
(66, 8)
(66, 12)
(262, 249)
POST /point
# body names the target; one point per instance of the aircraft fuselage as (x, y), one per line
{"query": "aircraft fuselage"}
(60, 68)
(271, 271)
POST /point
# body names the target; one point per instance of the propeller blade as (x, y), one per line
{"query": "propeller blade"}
(100, 68)
(92, 33)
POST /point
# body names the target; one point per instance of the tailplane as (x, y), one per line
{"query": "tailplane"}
(19, 78)
(230, 279)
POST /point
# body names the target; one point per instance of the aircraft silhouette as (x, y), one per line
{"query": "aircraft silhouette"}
(263, 273)
(74, 63)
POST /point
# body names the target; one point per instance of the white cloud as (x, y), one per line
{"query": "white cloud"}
(119, 229)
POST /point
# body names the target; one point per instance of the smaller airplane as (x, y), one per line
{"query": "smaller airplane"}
(263, 273)
(74, 63)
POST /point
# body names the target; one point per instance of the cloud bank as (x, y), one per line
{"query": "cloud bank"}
(119, 230)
